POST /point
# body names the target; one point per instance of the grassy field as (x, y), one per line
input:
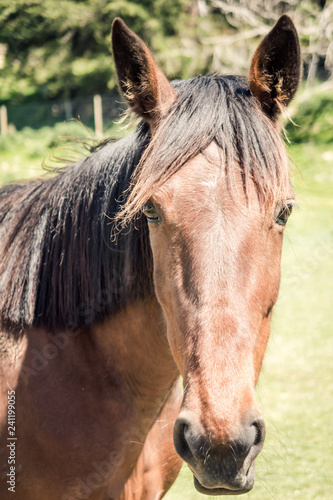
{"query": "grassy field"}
(30, 152)
(295, 390)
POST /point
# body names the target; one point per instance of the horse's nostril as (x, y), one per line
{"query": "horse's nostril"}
(226, 459)
(259, 426)
(257, 438)
(179, 436)
(183, 429)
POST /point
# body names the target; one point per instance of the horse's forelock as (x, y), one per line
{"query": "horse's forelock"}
(220, 109)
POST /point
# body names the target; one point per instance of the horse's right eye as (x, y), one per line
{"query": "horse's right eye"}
(150, 212)
(284, 214)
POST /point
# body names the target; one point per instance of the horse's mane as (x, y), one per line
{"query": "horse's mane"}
(59, 267)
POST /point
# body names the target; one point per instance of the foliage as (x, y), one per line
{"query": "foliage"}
(30, 152)
(313, 117)
(61, 49)
(251, 18)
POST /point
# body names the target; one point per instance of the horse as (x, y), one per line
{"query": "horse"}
(157, 256)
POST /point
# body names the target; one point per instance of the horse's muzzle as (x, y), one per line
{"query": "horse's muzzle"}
(219, 468)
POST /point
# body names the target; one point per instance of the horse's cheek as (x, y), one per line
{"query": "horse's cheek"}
(260, 346)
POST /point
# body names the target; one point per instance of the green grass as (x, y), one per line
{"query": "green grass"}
(23, 153)
(313, 114)
(295, 390)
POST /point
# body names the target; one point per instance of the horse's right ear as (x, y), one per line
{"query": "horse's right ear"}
(276, 68)
(144, 86)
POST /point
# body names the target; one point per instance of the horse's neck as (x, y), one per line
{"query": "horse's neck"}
(135, 345)
(126, 358)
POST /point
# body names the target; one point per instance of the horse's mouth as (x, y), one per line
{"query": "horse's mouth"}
(228, 490)
(219, 491)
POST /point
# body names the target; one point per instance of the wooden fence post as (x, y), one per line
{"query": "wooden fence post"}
(98, 115)
(68, 109)
(3, 120)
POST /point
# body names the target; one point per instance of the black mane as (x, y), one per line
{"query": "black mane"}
(59, 266)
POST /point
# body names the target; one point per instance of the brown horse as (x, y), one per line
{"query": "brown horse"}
(96, 329)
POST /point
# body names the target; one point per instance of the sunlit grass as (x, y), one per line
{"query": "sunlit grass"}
(30, 152)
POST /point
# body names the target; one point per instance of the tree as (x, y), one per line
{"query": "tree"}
(250, 18)
(62, 48)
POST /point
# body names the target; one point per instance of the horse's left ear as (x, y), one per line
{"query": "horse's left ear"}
(275, 71)
(144, 86)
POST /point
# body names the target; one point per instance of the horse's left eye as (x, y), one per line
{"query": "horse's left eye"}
(150, 212)
(284, 214)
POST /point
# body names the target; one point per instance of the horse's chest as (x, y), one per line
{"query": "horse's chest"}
(74, 418)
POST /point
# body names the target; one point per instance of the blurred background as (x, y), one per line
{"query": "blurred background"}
(57, 80)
